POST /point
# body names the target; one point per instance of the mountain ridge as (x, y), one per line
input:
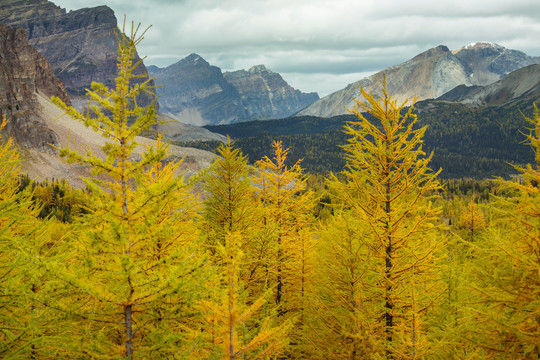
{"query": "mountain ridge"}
(198, 93)
(430, 74)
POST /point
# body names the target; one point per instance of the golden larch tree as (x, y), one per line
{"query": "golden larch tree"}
(388, 185)
(27, 328)
(287, 218)
(507, 283)
(132, 265)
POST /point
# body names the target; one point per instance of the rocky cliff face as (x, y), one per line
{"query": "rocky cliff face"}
(486, 63)
(24, 73)
(430, 75)
(80, 45)
(266, 95)
(198, 93)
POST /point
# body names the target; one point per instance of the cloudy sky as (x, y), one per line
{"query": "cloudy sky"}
(321, 45)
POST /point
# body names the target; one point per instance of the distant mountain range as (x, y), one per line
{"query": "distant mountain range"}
(473, 96)
(196, 92)
(474, 131)
(430, 75)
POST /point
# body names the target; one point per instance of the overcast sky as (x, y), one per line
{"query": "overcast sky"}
(321, 45)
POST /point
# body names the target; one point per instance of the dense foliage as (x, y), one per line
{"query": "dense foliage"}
(377, 262)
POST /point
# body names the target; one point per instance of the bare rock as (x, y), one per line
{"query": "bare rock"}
(80, 45)
(24, 73)
(266, 95)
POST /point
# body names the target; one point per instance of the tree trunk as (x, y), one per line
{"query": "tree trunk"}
(128, 316)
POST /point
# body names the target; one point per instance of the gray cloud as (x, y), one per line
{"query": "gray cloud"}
(319, 42)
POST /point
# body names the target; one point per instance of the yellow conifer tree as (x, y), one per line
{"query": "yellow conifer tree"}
(472, 221)
(388, 187)
(285, 237)
(238, 328)
(339, 315)
(25, 324)
(508, 268)
(131, 272)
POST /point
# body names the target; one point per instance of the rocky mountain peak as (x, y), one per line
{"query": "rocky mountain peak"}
(486, 62)
(260, 69)
(436, 51)
(266, 95)
(194, 59)
(482, 45)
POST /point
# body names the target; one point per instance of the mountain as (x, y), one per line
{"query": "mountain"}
(81, 45)
(266, 95)
(522, 85)
(486, 62)
(23, 74)
(198, 93)
(474, 132)
(430, 75)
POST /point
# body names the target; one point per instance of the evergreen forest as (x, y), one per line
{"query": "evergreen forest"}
(380, 259)
(478, 143)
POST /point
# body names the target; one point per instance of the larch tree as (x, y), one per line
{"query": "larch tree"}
(25, 325)
(287, 221)
(338, 319)
(507, 262)
(237, 326)
(228, 203)
(133, 267)
(389, 186)
(472, 221)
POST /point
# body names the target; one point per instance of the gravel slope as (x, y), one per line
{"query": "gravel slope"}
(41, 166)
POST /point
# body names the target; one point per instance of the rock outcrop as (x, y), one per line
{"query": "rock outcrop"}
(266, 95)
(429, 75)
(486, 63)
(81, 45)
(24, 73)
(198, 93)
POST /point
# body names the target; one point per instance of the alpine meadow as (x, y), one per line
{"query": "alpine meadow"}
(381, 260)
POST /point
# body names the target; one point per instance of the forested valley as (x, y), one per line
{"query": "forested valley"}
(478, 143)
(379, 260)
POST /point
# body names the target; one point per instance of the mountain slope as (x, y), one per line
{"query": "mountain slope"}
(40, 165)
(522, 85)
(430, 75)
(80, 45)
